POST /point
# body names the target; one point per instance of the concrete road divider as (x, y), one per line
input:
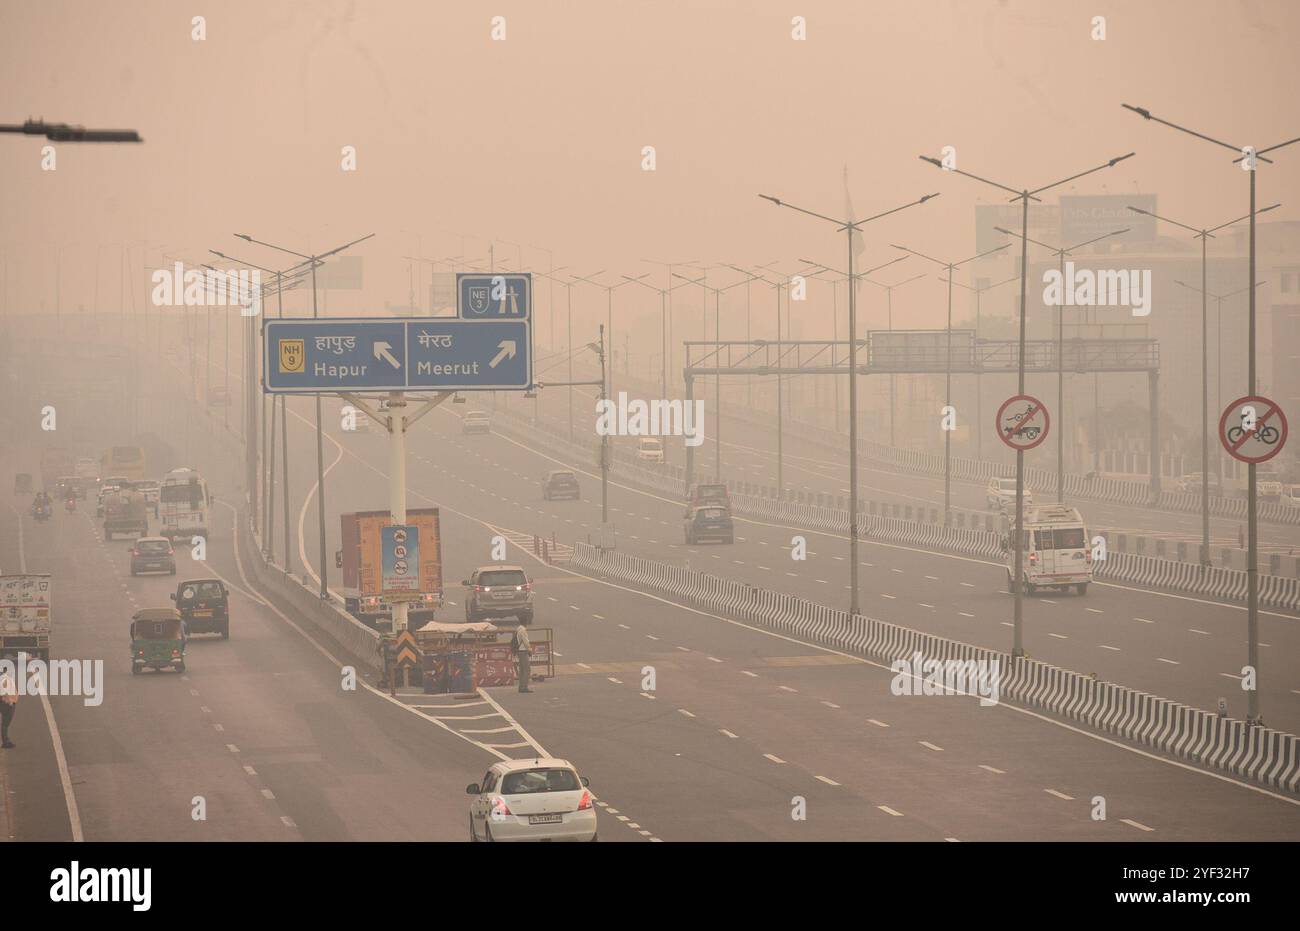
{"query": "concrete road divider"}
(1260, 754)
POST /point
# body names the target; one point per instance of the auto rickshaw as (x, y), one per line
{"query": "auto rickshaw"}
(23, 483)
(157, 640)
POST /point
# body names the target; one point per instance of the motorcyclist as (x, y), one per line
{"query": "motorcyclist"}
(41, 505)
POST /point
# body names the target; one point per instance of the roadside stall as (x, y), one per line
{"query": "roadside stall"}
(465, 657)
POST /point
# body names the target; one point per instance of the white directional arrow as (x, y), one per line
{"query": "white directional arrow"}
(508, 351)
(381, 352)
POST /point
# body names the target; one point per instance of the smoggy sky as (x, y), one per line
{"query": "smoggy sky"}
(537, 139)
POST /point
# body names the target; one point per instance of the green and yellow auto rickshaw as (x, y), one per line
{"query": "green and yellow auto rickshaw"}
(157, 640)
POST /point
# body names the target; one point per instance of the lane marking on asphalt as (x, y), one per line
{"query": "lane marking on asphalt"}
(829, 782)
(889, 811)
(877, 723)
(773, 758)
(993, 769)
(929, 746)
(1060, 795)
(1136, 824)
(727, 733)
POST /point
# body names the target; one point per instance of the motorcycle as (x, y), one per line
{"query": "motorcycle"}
(70, 504)
(41, 512)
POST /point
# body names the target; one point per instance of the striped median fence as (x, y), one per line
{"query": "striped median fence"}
(1264, 755)
(1139, 569)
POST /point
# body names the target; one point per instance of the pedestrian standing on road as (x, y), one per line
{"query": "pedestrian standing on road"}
(519, 644)
(8, 705)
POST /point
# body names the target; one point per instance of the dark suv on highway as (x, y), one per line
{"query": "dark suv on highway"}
(498, 591)
(709, 523)
(204, 604)
(560, 483)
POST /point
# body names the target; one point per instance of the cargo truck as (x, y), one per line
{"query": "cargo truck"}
(360, 561)
(25, 615)
(125, 512)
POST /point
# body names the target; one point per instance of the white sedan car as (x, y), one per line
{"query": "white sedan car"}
(531, 800)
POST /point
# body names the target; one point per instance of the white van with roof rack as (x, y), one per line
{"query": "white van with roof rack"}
(1057, 552)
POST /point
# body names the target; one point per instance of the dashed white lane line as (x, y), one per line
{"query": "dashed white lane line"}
(1136, 824)
(651, 637)
(890, 597)
(713, 659)
(964, 614)
(615, 681)
(1195, 631)
(648, 695)
(877, 723)
(727, 733)
(267, 793)
(599, 617)
(232, 748)
(250, 770)
(752, 675)
(773, 758)
(1229, 675)
(1106, 646)
(889, 811)
(685, 712)
(829, 704)
(1060, 795)
(684, 649)
(573, 607)
(786, 688)
(930, 746)
(924, 605)
(829, 782)
(1143, 620)
(993, 769)
(1171, 662)
(1094, 610)
(287, 821)
(1058, 636)
(624, 626)
(968, 584)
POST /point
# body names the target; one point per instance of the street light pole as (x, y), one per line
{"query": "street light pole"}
(1061, 253)
(314, 260)
(1204, 235)
(1249, 156)
(979, 380)
(568, 296)
(1025, 195)
(850, 227)
(717, 374)
(947, 382)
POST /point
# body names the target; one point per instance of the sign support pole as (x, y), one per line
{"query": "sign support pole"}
(397, 483)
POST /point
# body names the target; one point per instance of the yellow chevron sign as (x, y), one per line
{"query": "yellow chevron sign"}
(407, 651)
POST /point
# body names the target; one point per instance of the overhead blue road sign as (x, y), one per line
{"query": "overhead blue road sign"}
(422, 354)
(494, 297)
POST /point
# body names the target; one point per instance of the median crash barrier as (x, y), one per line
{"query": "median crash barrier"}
(1267, 756)
(359, 642)
(1224, 583)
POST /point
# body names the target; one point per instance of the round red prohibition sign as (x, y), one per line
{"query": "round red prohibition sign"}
(1022, 422)
(1253, 429)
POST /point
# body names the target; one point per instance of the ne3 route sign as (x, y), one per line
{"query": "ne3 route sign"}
(307, 356)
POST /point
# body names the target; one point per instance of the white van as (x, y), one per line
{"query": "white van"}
(184, 502)
(1057, 552)
(650, 449)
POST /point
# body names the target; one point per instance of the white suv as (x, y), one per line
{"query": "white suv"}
(539, 800)
(1001, 495)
